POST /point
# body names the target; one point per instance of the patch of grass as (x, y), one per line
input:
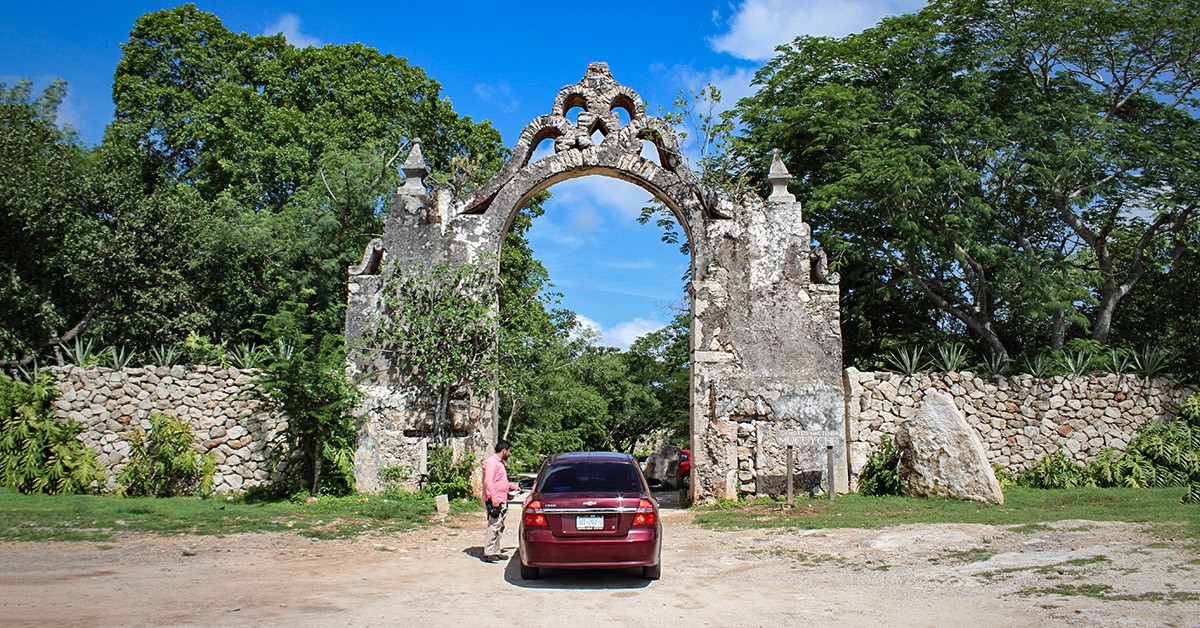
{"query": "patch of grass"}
(801, 558)
(1105, 592)
(1073, 567)
(1022, 507)
(1029, 528)
(973, 555)
(96, 518)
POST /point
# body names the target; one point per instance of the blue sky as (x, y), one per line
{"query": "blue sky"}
(497, 61)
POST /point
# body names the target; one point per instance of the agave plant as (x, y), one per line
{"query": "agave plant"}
(284, 350)
(952, 357)
(905, 360)
(118, 357)
(246, 356)
(80, 353)
(1037, 365)
(165, 355)
(994, 365)
(31, 372)
(1153, 362)
(1118, 362)
(1075, 362)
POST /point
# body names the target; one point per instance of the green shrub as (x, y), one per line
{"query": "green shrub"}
(199, 349)
(1161, 454)
(1005, 477)
(879, 476)
(163, 463)
(1054, 471)
(448, 476)
(40, 453)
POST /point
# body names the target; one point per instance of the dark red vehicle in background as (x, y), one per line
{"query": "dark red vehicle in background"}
(590, 510)
(685, 466)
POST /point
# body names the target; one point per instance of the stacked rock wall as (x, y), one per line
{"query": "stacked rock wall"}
(1020, 418)
(217, 403)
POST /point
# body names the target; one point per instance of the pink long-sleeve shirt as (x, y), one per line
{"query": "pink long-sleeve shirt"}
(495, 480)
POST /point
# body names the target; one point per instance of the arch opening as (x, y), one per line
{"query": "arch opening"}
(628, 286)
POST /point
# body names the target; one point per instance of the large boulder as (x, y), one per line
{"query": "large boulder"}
(941, 456)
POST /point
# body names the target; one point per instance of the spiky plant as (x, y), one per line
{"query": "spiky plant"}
(905, 360)
(952, 357)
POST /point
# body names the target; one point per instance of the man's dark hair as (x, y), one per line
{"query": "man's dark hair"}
(502, 445)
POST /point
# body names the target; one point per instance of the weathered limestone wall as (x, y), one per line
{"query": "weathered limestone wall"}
(1020, 418)
(225, 418)
(396, 418)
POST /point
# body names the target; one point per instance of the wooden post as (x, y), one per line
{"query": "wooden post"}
(829, 483)
(791, 503)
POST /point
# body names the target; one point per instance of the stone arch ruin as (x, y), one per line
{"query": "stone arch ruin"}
(766, 341)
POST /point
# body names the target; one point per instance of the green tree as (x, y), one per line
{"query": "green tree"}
(975, 150)
(305, 380)
(438, 330)
(45, 229)
(661, 361)
(285, 156)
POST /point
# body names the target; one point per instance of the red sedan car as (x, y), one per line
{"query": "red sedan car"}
(590, 510)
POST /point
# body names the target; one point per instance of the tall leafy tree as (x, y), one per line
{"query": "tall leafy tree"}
(44, 225)
(291, 151)
(988, 152)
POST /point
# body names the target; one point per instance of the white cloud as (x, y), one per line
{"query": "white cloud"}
(623, 334)
(760, 25)
(620, 335)
(584, 218)
(499, 96)
(734, 83)
(606, 194)
(288, 24)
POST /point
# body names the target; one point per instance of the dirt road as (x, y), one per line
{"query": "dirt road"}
(1071, 573)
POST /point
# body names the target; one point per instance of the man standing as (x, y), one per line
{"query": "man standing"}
(495, 499)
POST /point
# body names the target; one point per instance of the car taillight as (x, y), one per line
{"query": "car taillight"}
(646, 515)
(534, 518)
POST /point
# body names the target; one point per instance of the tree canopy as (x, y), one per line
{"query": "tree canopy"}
(1007, 165)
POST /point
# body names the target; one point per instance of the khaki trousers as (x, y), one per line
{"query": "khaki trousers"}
(495, 529)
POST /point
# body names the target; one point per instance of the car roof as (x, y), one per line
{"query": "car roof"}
(592, 456)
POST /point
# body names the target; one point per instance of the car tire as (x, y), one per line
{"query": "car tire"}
(652, 573)
(530, 573)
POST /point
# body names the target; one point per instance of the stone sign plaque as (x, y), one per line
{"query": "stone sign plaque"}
(808, 438)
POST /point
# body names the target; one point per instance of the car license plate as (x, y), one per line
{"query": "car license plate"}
(589, 522)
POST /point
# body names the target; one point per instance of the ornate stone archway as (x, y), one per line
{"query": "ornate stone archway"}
(766, 340)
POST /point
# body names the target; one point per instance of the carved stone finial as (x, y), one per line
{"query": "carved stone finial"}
(415, 170)
(598, 68)
(779, 177)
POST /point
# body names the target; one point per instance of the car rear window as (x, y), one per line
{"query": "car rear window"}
(591, 477)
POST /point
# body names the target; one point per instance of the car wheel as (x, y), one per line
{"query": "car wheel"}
(530, 573)
(652, 573)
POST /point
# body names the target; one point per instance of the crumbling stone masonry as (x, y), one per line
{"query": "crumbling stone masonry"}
(766, 342)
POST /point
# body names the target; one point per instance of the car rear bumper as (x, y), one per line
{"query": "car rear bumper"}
(639, 548)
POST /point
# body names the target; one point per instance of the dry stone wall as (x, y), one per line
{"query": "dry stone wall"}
(218, 403)
(1020, 418)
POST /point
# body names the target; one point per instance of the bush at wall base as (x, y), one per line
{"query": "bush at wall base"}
(162, 463)
(39, 453)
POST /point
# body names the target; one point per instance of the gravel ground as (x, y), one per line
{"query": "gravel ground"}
(1070, 573)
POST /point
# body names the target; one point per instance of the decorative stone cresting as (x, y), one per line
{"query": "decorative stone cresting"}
(217, 403)
(1020, 419)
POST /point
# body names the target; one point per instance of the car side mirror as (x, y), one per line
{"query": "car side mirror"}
(654, 483)
(526, 484)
